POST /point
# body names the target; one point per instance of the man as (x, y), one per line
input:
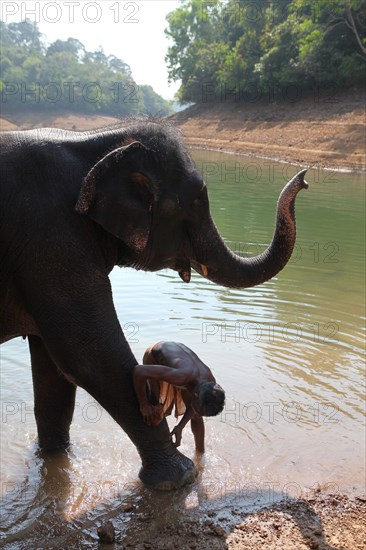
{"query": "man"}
(172, 376)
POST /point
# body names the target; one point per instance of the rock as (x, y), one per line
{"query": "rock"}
(106, 532)
(128, 507)
(218, 531)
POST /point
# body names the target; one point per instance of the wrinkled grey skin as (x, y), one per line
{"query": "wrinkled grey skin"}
(74, 205)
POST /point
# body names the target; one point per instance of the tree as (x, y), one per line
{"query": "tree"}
(117, 65)
(65, 77)
(71, 45)
(265, 44)
(23, 34)
(153, 103)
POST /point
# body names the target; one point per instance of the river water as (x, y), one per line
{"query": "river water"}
(289, 353)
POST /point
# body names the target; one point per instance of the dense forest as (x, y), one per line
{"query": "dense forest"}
(64, 77)
(246, 50)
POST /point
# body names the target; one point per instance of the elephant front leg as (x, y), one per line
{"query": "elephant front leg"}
(83, 336)
(54, 398)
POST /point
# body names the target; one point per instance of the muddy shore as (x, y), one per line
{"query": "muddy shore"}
(319, 521)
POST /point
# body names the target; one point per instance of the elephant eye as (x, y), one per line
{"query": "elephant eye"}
(200, 197)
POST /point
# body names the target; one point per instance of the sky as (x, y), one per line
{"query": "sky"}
(132, 31)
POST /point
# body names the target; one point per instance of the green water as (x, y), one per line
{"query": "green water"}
(289, 353)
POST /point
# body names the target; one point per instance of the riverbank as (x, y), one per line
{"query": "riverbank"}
(319, 521)
(326, 132)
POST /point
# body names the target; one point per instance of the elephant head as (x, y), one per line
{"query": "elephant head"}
(148, 194)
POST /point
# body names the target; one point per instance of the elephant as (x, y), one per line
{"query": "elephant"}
(73, 206)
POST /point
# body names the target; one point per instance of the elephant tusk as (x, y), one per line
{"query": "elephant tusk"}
(204, 270)
(185, 275)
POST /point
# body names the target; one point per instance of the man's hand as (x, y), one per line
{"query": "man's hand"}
(152, 414)
(177, 432)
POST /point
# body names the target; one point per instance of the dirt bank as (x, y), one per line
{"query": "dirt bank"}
(324, 522)
(60, 120)
(327, 131)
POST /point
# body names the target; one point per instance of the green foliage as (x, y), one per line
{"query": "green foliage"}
(64, 77)
(154, 103)
(265, 46)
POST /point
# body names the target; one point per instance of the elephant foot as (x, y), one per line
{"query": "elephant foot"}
(52, 443)
(167, 471)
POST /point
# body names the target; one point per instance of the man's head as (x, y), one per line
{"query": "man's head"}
(209, 399)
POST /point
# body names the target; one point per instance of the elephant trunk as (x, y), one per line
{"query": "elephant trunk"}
(215, 261)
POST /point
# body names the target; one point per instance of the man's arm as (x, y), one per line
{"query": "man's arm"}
(175, 376)
(178, 429)
(139, 382)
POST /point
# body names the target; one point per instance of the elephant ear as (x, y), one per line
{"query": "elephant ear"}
(119, 191)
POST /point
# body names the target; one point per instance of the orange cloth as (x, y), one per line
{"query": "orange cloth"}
(169, 397)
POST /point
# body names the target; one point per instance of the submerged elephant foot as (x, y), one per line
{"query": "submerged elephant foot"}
(168, 471)
(53, 443)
